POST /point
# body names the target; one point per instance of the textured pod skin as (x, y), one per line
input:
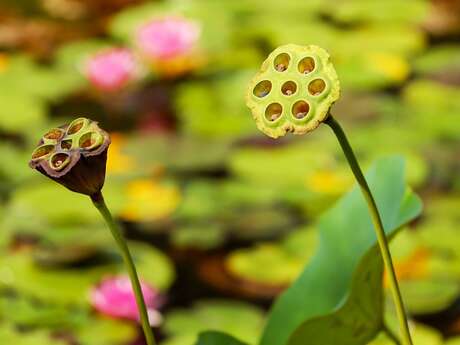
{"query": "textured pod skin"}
(293, 91)
(74, 155)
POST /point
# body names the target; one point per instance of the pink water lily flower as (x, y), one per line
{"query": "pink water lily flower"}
(114, 296)
(110, 69)
(168, 37)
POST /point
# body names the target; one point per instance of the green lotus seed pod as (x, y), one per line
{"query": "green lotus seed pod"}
(293, 91)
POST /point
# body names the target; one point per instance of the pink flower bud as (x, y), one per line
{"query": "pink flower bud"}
(110, 69)
(168, 38)
(115, 297)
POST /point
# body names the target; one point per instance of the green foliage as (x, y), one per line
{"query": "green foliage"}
(346, 235)
(178, 154)
(238, 319)
(432, 108)
(79, 323)
(211, 338)
(20, 273)
(10, 335)
(206, 110)
(440, 58)
(399, 11)
(285, 259)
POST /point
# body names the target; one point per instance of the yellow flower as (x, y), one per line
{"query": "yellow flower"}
(4, 61)
(392, 66)
(147, 200)
(117, 161)
(415, 266)
(179, 66)
(328, 182)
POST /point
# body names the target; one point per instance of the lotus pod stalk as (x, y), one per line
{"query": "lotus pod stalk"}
(294, 92)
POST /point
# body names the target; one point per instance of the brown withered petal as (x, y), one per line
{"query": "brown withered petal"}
(77, 159)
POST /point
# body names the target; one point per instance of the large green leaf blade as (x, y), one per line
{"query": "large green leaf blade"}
(346, 234)
(359, 319)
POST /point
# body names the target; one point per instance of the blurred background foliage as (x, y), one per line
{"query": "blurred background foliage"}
(222, 219)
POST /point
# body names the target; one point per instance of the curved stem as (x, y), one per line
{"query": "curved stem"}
(98, 201)
(390, 334)
(378, 226)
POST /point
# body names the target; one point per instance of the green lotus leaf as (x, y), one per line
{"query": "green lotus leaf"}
(105, 331)
(199, 237)
(429, 296)
(439, 58)
(425, 100)
(70, 286)
(393, 11)
(10, 335)
(246, 264)
(19, 111)
(421, 335)
(346, 252)
(179, 154)
(239, 319)
(197, 104)
(32, 313)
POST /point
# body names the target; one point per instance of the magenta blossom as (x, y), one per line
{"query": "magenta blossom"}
(168, 37)
(115, 297)
(110, 69)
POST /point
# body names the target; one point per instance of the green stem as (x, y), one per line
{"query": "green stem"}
(377, 221)
(390, 334)
(98, 201)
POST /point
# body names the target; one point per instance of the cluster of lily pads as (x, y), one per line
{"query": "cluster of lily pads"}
(189, 172)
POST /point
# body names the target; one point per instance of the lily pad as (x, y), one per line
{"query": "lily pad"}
(238, 319)
(10, 335)
(198, 104)
(70, 286)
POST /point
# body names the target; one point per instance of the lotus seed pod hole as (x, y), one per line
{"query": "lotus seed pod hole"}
(59, 160)
(66, 144)
(42, 151)
(281, 62)
(306, 65)
(54, 134)
(262, 88)
(90, 140)
(316, 87)
(273, 112)
(76, 126)
(289, 88)
(300, 109)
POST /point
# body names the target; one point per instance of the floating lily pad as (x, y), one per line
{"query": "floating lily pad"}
(238, 319)
(70, 286)
(198, 237)
(205, 109)
(246, 264)
(10, 335)
(393, 11)
(421, 335)
(106, 331)
(180, 154)
(425, 101)
(79, 323)
(439, 58)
